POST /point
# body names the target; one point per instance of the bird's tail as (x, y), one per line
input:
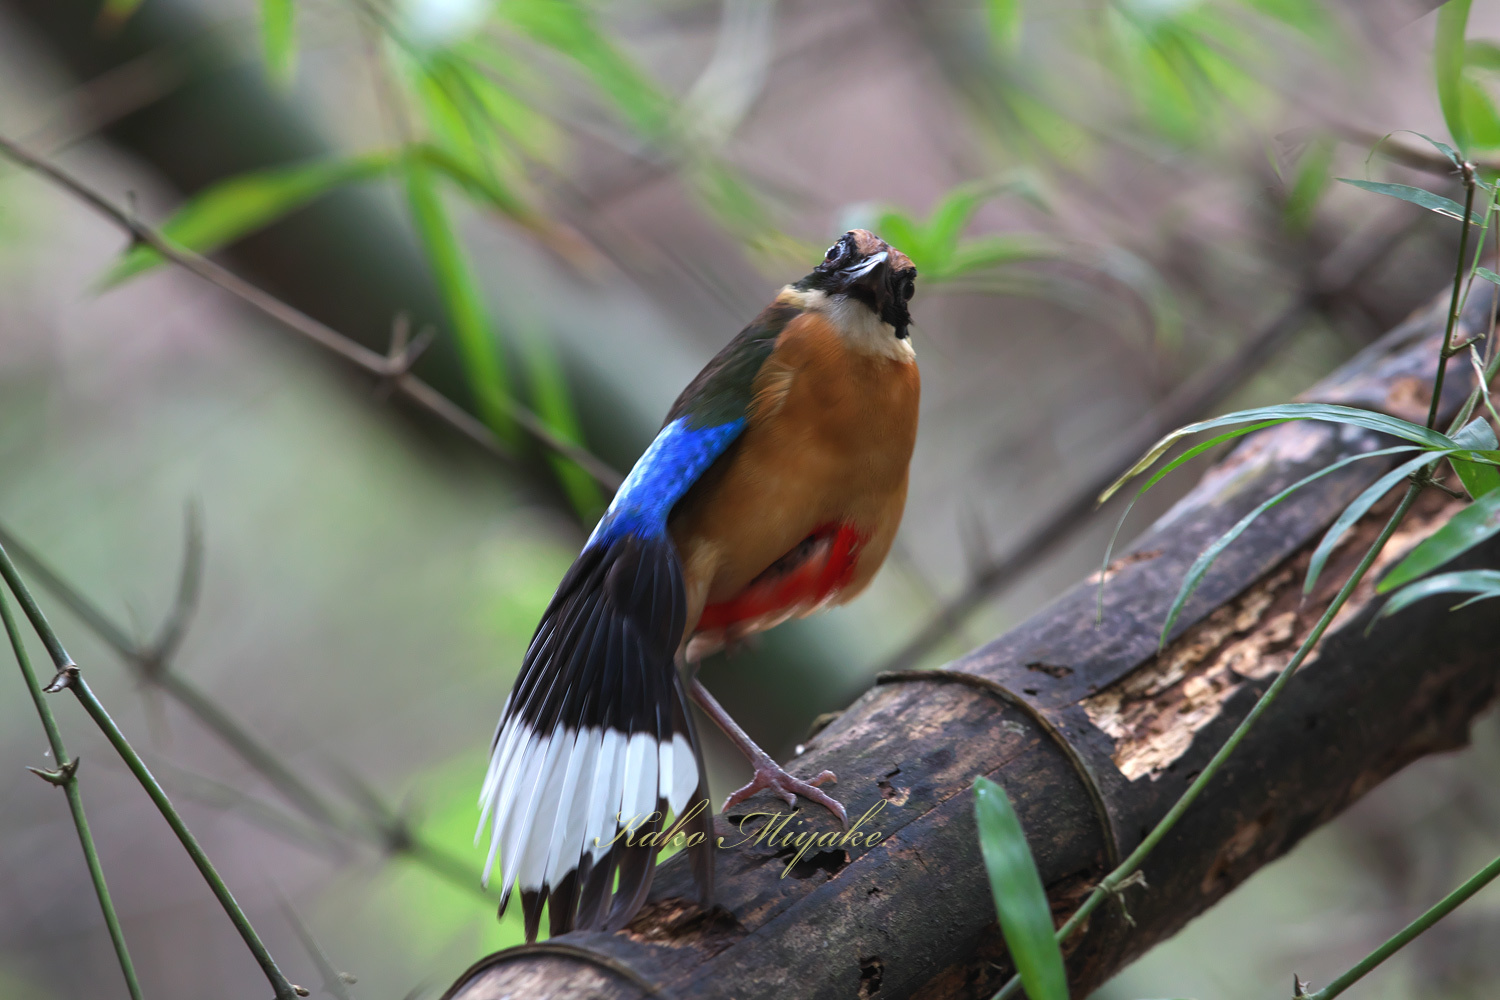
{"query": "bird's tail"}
(596, 744)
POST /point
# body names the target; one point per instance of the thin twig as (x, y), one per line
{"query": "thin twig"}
(1448, 904)
(66, 776)
(1112, 882)
(70, 677)
(152, 665)
(373, 363)
(377, 825)
(335, 983)
(218, 795)
(392, 831)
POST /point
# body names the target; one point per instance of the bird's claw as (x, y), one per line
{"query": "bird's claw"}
(770, 775)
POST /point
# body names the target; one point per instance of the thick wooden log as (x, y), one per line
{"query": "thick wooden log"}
(1094, 735)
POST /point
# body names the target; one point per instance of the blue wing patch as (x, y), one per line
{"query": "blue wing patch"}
(666, 471)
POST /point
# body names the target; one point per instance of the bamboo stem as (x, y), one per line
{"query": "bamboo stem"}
(66, 776)
(68, 676)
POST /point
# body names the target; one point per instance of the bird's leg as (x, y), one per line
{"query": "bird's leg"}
(768, 774)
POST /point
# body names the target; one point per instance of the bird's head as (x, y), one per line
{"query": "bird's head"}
(862, 269)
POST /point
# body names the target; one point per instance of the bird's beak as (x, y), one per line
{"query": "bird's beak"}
(866, 280)
(868, 268)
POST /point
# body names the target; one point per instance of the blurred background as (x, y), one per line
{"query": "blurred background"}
(1125, 214)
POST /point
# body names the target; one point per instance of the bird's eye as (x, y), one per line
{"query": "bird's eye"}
(909, 288)
(834, 252)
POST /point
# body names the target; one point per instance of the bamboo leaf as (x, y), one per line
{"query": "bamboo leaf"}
(1417, 196)
(1358, 508)
(995, 251)
(1488, 275)
(900, 230)
(1481, 583)
(1469, 527)
(1481, 121)
(1442, 147)
(114, 13)
(278, 26)
(488, 190)
(1483, 55)
(1448, 64)
(1308, 184)
(1161, 474)
(467, 312)
(569, 28)
(234, 208)
(1206, 559)
(948, 220)
(1020, 900)
(1005, 24)
(1478, 478)
(1285, 412)
(550, 398)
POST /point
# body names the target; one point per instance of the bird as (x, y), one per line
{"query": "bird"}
(773, 490)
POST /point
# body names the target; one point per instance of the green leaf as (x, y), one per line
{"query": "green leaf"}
(1482, 55)
(995, 251)
(1480, 118)
(1201, 565)
(1441, 147)
(1358, 508)
(477, 345)
(1448, 64)
(949, 218)
(1488, 275)
(1467, 528)
(1308, 185)
(569, 28)
(1161, 474)
(1005, 24)
(488, 190)
(1482, 583)
(1285, 412)
(234, 208)
(1310, 17)
(278, 27)
(1478, 478)
(1417, 196)
(900, 230)
(116, 12)
(1020, 900)
(550, 398)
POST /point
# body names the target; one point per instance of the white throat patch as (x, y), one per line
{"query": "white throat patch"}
(865, 331)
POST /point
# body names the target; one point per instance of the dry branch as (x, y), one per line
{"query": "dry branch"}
(1094, 736)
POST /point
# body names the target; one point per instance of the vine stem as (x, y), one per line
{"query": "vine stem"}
(1450, 902)
(1112, 883)
(1458, 281)
(70, 677)
(66, 776)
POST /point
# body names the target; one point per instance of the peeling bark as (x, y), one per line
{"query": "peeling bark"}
(1094, 736)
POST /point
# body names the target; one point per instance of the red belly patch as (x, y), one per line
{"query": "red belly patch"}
(796, 584)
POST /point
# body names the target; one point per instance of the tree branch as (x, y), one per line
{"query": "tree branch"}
(1094, 736)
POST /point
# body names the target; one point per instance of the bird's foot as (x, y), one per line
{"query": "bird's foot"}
(769, 774)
